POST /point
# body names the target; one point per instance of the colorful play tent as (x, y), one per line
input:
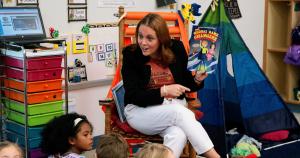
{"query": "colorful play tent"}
(245, 100)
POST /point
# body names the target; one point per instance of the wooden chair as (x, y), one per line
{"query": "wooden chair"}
(126, 36)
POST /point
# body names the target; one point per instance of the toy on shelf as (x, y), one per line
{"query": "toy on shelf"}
(53, 33)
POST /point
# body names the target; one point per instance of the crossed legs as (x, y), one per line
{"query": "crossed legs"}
(175, 123)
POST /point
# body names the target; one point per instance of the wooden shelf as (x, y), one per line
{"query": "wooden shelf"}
(295, 102)
(280, 0)
(280, 18)
(277, 50)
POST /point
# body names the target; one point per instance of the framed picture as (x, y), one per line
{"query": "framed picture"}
(100, 47)
(162, 3)
(93, 48)
(77, 74)
(77, 2)
(77, 14)
(27, 2)
(109, 47)
(80, 43)
(100, 56)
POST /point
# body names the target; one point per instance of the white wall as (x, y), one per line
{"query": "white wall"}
(86, 102)
(251, 26)
(54, 14)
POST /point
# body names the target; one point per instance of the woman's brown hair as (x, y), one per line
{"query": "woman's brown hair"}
(159, 25)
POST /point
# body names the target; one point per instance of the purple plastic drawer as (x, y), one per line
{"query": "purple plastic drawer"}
(34, 75)
(36, 153)
(35, 63)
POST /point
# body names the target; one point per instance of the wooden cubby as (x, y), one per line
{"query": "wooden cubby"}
(280, 19)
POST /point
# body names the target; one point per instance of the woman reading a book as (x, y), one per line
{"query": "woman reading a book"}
(155, 79)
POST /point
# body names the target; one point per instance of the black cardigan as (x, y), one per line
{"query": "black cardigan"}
(136, 75)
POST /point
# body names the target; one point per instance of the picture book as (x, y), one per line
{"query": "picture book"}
(204, 51)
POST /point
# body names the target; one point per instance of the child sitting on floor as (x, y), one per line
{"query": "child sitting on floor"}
(10, 150)
(155, 150)
(112, 146)
(67, 136)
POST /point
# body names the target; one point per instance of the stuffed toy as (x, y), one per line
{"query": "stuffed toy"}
(246, 147)
(53, 33)
(195, 9)
(193, 104)
(187, 13)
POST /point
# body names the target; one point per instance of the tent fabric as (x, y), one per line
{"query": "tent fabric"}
(246, 99)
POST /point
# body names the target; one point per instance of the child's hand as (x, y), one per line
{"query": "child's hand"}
(200, 76)
(173, 90)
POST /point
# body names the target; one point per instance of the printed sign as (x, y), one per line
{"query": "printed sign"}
(77, 14)
(233, 9)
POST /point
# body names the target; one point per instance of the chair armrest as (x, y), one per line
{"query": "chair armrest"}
(108, 104)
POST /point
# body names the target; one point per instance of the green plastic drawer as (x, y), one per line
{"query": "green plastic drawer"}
(34, 120)
(34, 109)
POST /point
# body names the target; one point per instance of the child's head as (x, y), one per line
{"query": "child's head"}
(70, 132)
(10, 150)
(112, 145)
(212, 46)
(204, 43)
(155, 150)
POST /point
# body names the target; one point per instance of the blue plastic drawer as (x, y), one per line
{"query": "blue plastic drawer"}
(33, 132)
(19, 139)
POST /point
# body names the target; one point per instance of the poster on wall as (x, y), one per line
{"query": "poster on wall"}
(27, 2)
(162, 3)
(77, 74)
(115, 3)
(77, 2)
(79, 43)
(77, 14)
(104, 52)
(233, 9)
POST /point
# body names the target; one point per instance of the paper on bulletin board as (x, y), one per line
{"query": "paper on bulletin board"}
(103, 43)
(68, 38)
(79, 43)
(115, 3)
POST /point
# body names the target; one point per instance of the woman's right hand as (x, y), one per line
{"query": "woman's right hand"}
(173, 90)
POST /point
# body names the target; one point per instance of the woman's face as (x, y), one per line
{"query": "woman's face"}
(148, 41)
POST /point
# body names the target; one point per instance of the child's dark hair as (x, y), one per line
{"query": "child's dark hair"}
(112, 146)
(56, 134)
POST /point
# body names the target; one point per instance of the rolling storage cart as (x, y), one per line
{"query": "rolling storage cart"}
(32, 90)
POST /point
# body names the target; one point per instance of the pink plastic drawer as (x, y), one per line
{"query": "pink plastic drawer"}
(34, 75)
(35, 63)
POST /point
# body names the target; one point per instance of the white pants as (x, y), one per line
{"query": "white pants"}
(171, 120)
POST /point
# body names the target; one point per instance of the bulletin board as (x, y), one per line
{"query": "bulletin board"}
(98, 52)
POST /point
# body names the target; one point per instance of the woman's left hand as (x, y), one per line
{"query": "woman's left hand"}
(200, 76)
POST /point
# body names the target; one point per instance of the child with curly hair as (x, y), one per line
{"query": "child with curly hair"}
(10, 150)
(67, 136)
